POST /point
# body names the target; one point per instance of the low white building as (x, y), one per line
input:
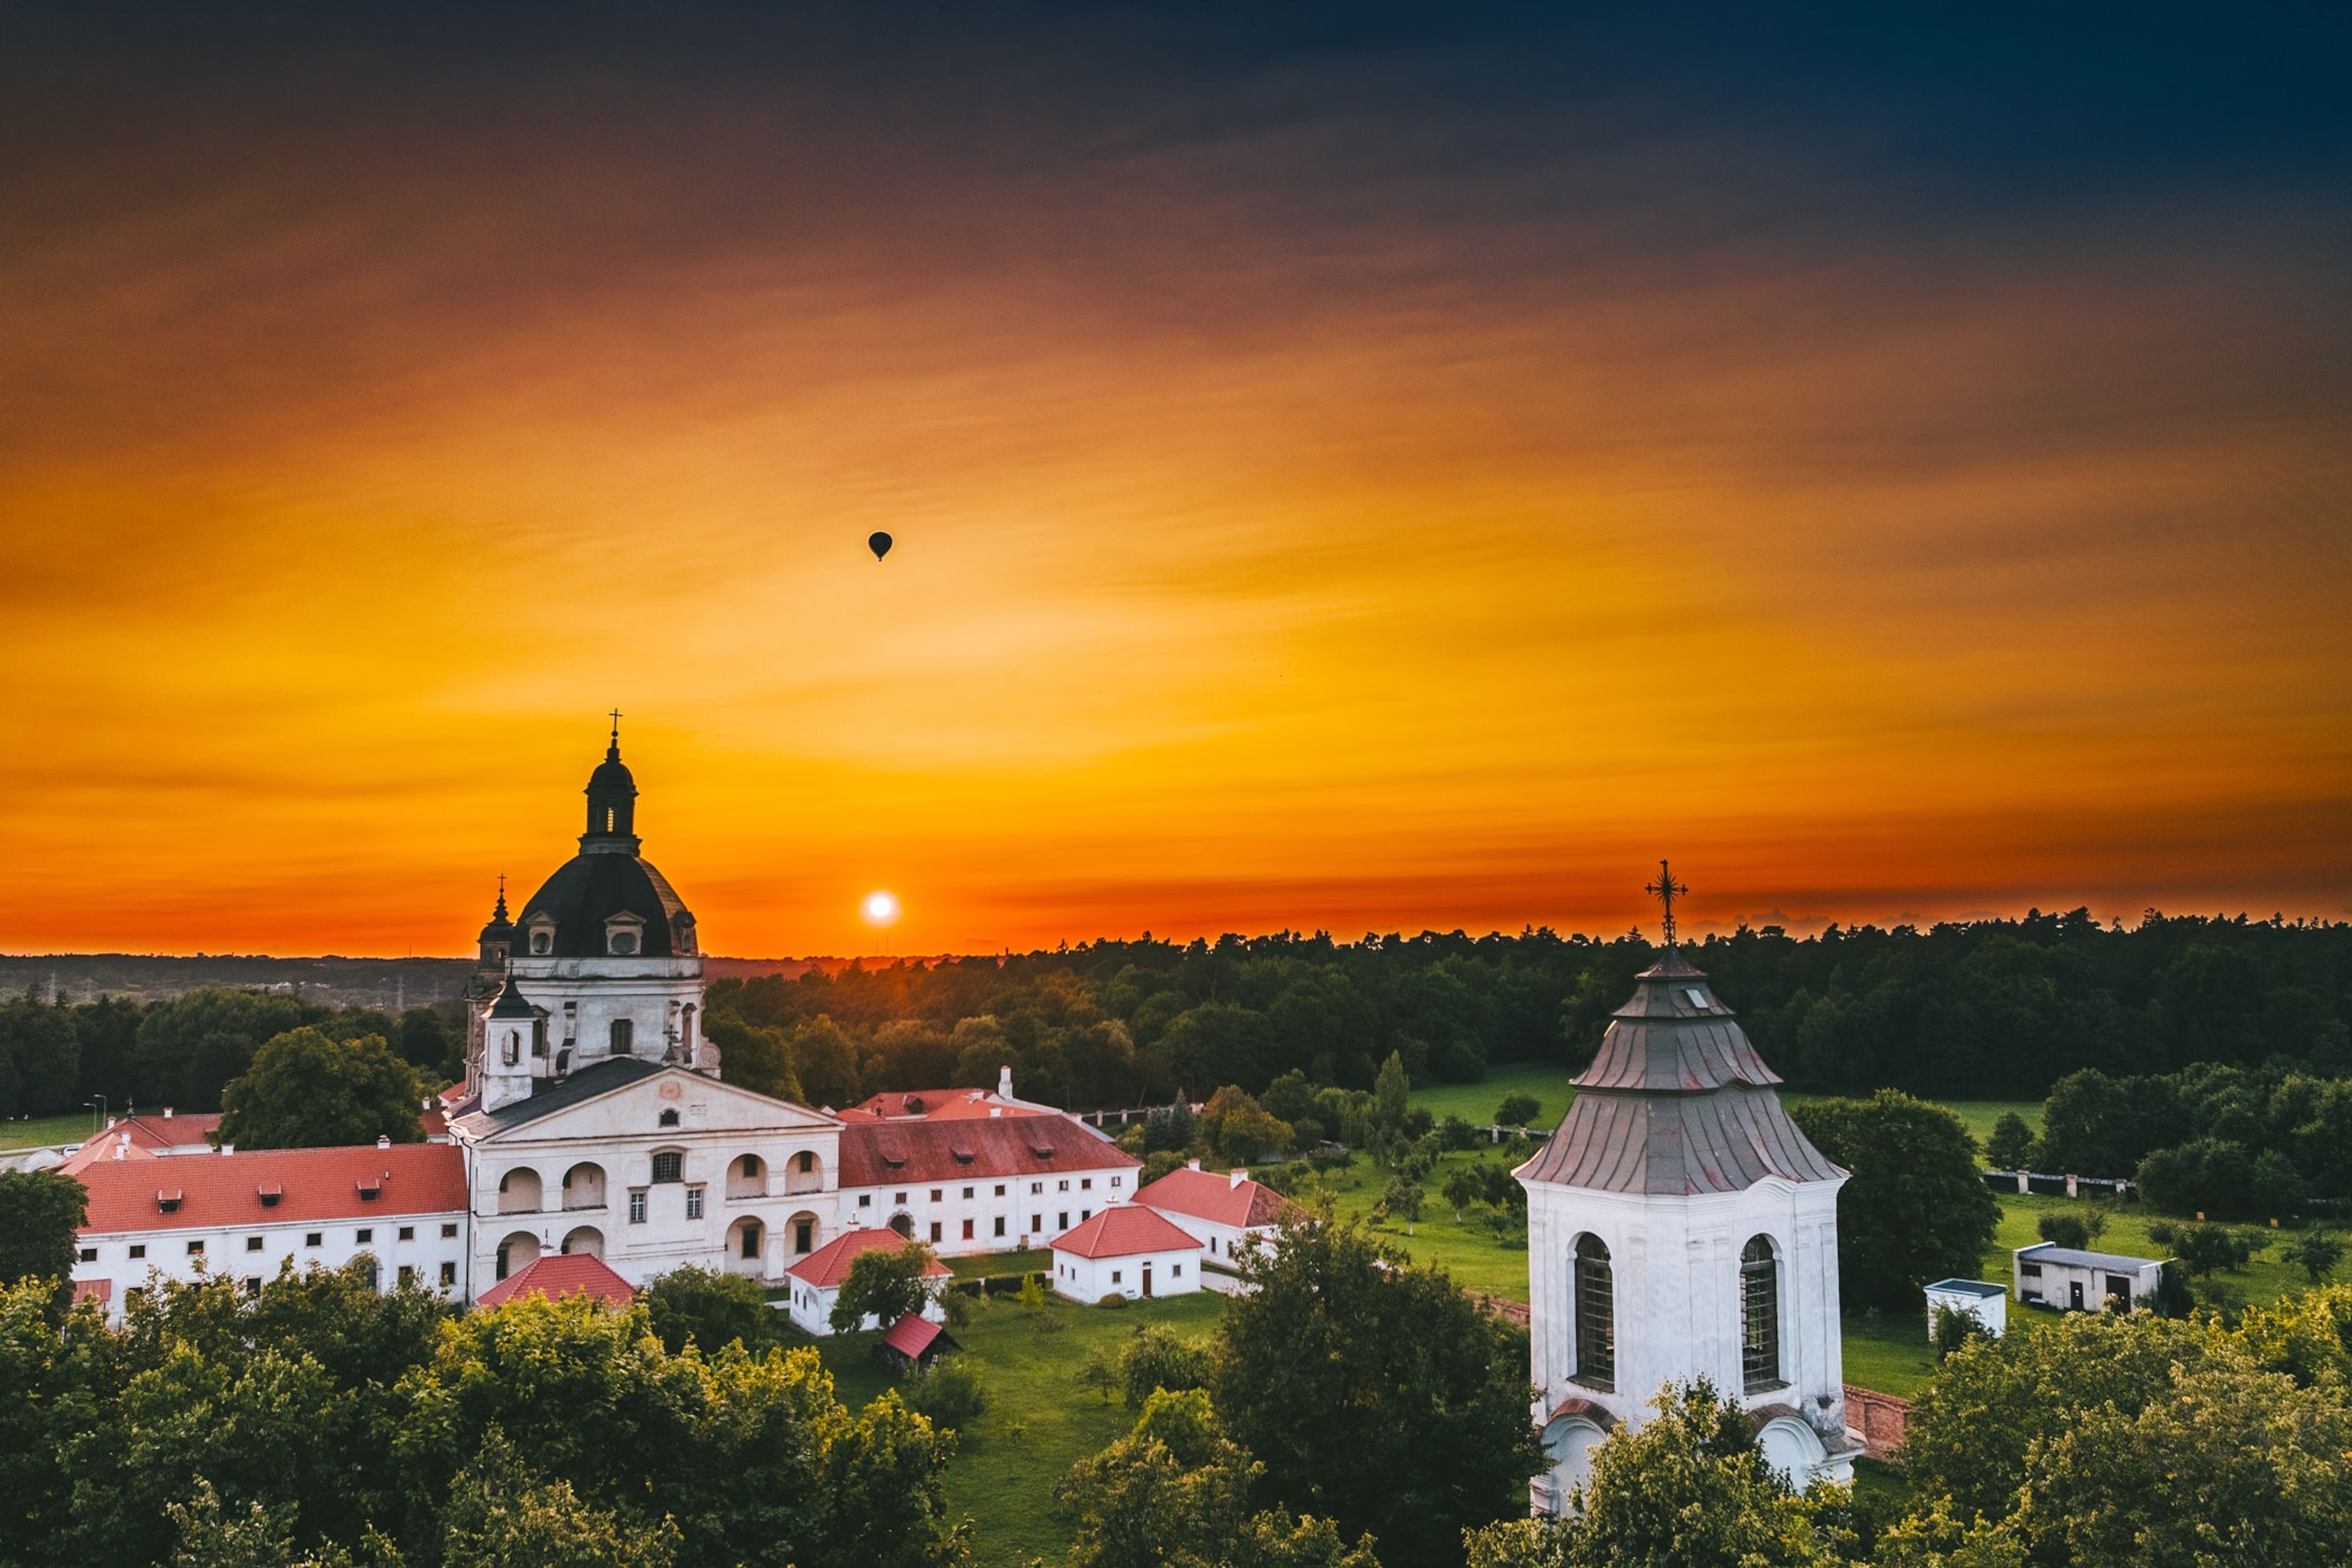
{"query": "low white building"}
(242, 1215)
(816, 1280)
(1129, 1250)
(1227, 1214)
(2073, 1281)
(1985, 1302)
(987, 1184)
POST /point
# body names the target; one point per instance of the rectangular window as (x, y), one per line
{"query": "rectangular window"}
(1086, 1184)
(937, 1196)
(865, 1200)
(967, 1230)
(408, 1275)
(1176, 1271)
(449, 1230)
(89, 1254)
(1062, 1187)
(1036, 1224)
(365, 1236)
(1000, 1189)
(1113, 1276)
(1036, 1187)
(1085, 1214)
(669, 1166)
(138, 1250)
(2030, 1271)
(253, 1284)
(636, 1206)
(253, 1243)
(694, 1202)
(935, 1230)
(803, 1235)
(1115, 1181)
(900, 1199)
(408, 1233)
(968, 1192)
(314, 1238)
(195, 1249)
(1000, 1225)
(1062, 1220)
(623, 1033)
(449, 1274)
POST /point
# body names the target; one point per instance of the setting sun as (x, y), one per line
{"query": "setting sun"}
(881, 909)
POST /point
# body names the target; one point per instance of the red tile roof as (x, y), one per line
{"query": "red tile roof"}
(939, 1105)
(144, 1133)
(911, 1335)
(1204, 1194)
(558, 1275)
(828, 1266)
(1122, 1231)
(878, 1153)
(222, 1192)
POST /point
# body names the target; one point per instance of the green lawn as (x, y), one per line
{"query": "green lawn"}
(1040, 1420)
(1473, 1256)
(36, 1132)
(1036, 1260)
(1476, 1102)
(1890, 1354)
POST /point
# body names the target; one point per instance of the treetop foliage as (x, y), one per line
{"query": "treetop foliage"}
(307, 1091)
(1915, 1210)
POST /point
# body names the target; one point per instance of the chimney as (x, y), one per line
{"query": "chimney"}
(228, 1148)
(1191, 1164)
(167, 1113)
(1235, 1177)
(383, 1141)
(118, 1149)
(1004, 1082)
(996, 1110)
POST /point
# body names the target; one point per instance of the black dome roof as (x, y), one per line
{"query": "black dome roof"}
(591, 887)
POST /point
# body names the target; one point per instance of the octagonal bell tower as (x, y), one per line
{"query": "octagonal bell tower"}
(1680, 1226)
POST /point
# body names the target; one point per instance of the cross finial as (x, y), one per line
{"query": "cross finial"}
(616, 726)
(1666, 889)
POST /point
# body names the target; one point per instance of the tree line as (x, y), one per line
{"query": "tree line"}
(1981, 1009)
(55, 1058)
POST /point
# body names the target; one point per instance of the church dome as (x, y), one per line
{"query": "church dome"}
(608, 900)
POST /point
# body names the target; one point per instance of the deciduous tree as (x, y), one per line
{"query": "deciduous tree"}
(1915, 1209)
(305, 1090)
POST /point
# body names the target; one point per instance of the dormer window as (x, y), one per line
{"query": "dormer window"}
(669, 1118)
(270, 1194)
(624, 934)
(169, 1202)
(681, 932)
(541, 927)
(370, 1189)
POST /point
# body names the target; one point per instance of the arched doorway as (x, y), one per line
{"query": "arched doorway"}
(516, 1252)
(746, 1240)
(747, 1177)
(804, 1234)
(586, 1240)
(904, 1224)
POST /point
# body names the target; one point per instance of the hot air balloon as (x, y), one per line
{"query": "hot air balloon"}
(879, 543)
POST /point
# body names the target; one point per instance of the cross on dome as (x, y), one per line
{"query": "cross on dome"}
(1666, 889)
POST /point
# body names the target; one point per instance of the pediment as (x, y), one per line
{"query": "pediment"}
(700, 1104)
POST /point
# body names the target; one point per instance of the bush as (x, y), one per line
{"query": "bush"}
(1954, 1331)
(2220, 1177)
(1160, 1162)
(2011, 1148)
(953, 1393)
(713, 1310)
(1159, 1358)
(2207, 1248)
(1518, 1111)
(2065, 1229)
(1455, 1135)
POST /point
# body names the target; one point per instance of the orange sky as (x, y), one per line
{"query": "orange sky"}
(1369, 512)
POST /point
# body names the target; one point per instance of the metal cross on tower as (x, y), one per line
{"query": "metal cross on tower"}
(616, 726)
(1666, 889)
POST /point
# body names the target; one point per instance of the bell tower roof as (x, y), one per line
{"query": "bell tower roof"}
(1677, 1100)
(611, 802)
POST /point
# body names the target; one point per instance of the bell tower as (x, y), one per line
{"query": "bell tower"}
(611, 802)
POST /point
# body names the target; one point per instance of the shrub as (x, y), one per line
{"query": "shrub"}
(1159, 1358)
(1518, 1111)
(1455, 1135)
(953, 1393)
(2065, 1229)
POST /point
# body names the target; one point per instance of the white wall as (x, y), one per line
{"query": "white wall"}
(620, 1134)
(1089, 1191)
(1676, 1262)
(1220, 1242)
(1089, 1280)
(229, 1252)
(812, 1309)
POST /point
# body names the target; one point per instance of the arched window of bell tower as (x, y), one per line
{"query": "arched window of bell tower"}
(1759, 1316)
(1595, 1306)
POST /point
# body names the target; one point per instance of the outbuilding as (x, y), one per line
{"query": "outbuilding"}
(2073, 1281)
(1129, 1250)
(816, 1280)
(562, 1274)
(1985, 1302)
(1227, 1214)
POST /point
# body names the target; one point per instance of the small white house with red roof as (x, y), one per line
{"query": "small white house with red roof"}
(1129, 1250)
(400, 1205)
(559, 1274)
(816, 1280)
(1227, 1214)
(975, 1184)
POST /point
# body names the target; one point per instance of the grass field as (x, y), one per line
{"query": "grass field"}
(37, 1131)
(1040, 1420)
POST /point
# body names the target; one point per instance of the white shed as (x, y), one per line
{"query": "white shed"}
(1987, 1303)
(2073, 1281)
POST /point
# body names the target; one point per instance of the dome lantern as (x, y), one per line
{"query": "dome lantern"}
(611, 802)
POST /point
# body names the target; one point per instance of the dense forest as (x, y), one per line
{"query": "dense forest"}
(1987, 1009)
(1984, 1010)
